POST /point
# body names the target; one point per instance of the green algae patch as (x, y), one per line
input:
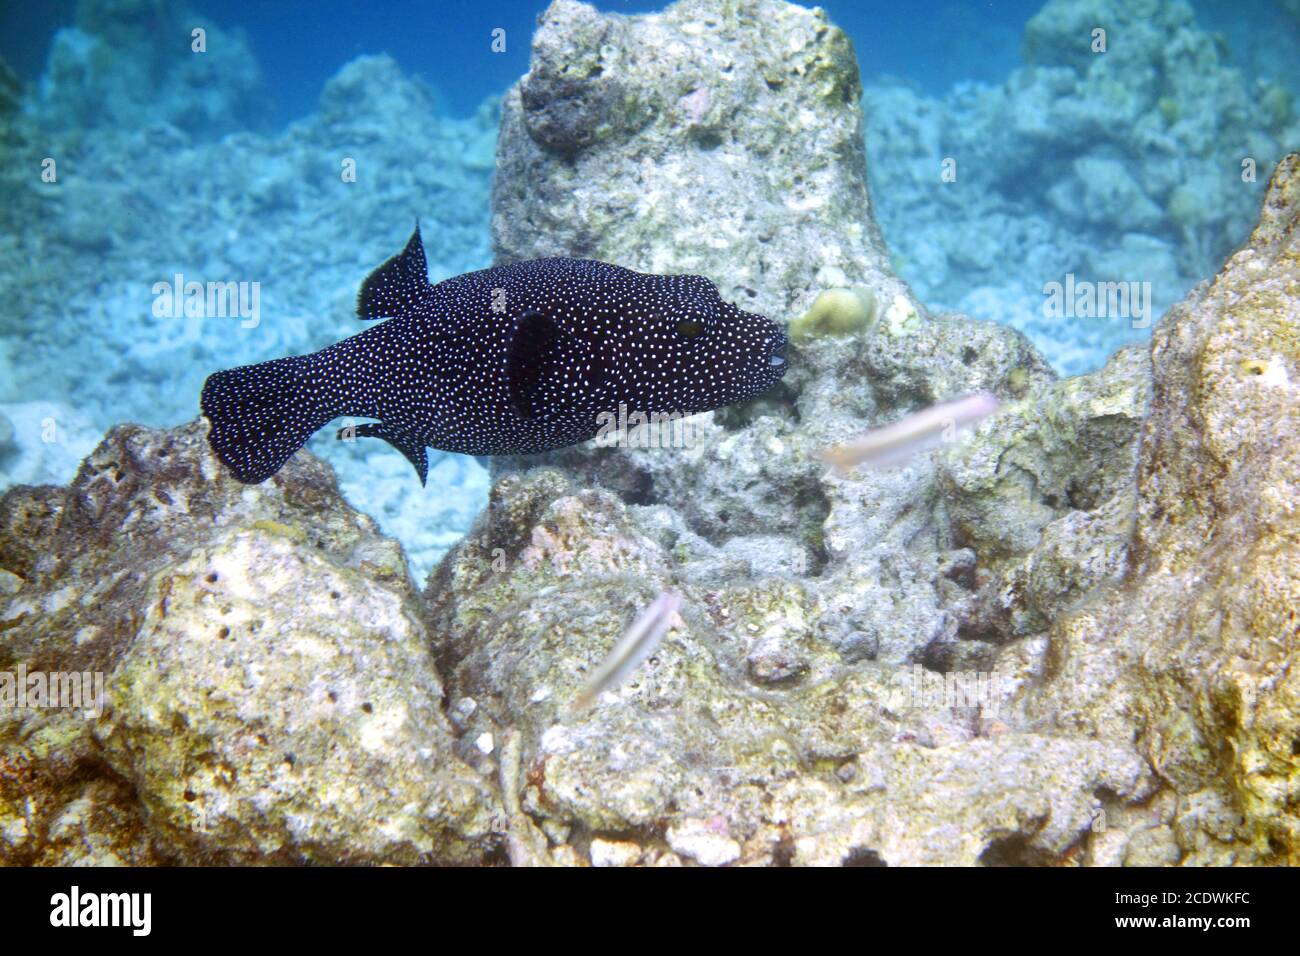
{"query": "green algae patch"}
(281, 530)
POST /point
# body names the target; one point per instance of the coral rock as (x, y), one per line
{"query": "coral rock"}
(270, 694)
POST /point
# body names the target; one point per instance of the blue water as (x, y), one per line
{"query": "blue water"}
(152, 185)
(300, 43)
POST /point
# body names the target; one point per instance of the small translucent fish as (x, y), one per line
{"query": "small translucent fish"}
(635, 646)
(916, 433)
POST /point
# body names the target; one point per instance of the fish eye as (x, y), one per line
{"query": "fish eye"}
(690, 328)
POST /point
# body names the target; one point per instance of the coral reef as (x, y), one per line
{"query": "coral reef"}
(269, 692)
(1067, 638)
(813, 593)
(286, 219)
(625, 127)
(1122, 165)
(748, 736)
(110, 72)
(1199, 668)
(1137, 650)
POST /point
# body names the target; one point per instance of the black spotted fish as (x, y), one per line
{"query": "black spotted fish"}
(517, 359)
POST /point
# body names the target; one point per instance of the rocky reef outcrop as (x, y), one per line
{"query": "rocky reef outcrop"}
(1067, 638)
(623, 126)
(1192, 655)
(268, 692)
(807, 592)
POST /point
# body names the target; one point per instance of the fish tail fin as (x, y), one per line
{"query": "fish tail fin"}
(260, 415)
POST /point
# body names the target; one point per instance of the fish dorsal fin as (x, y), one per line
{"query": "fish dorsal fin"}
(531, 339)
(398, 285)
(412, 448)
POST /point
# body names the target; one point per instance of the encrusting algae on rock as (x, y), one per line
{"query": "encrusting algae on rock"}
(1215, 576)
(270, 696)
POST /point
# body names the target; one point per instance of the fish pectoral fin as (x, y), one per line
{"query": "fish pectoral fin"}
(532, 338)
(414, 449)
(399, 284)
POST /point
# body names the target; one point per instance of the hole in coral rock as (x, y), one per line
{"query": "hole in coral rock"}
(1013, 850)
(863, 856)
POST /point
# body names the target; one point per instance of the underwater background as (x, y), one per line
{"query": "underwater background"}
(222, 167)
(1063, 634)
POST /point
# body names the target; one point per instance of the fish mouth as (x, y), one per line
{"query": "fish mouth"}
(776, 360)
